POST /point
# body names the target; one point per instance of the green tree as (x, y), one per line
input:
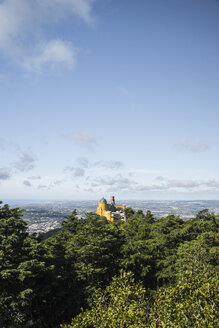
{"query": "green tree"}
(22, 270)
(151, 246)
(200, 255)
(192, 302)
(122, 304)
(85, 255)
(128, 212)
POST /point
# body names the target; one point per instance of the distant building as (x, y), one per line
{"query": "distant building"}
(111, 211)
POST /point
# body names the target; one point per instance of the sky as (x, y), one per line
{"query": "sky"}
(109, 97)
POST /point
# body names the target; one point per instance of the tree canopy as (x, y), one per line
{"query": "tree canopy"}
(145, 272)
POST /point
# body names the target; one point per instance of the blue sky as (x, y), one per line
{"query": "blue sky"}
(101, 97)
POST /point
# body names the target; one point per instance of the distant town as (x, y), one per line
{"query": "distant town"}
(43, 216)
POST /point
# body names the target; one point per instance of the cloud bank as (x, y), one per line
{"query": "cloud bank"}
(83, 165)
(120, 183)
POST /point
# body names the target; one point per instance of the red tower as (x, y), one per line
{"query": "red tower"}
(112, 200)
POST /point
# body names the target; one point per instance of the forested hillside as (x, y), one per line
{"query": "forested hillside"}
(145, 272)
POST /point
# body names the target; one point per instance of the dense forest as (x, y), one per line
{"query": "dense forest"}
(144, 272)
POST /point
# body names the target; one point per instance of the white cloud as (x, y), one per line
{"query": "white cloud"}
(50, 182)
(113, 165)
(83, 162)
(35, 177)
(193, 146)
(91, 190)
(179, 184)
(121, 183)
(43, 187)
(81, 8)
(53, 53)
(79, 172)
(27, 183)
(23, 31)
(26, 162)
(118, 181)
(187, 184)
(83, 139)
(13, 16)
(191, 184)
(69, 168)
(142, 188)
(84, 165)
(145, 170)
(57, 182)
(160, 178)
(4, 174)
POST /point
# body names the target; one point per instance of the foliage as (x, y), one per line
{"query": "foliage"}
(85, 254)
(44, 282)
(200, 255)
(193, 302)
(122, 304)
(22, 267)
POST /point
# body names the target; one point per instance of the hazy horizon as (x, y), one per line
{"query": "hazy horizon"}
(96, 200)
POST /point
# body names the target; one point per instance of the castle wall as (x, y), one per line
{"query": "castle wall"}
(106, 210)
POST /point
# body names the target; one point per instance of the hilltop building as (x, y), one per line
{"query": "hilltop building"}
(111, 211)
